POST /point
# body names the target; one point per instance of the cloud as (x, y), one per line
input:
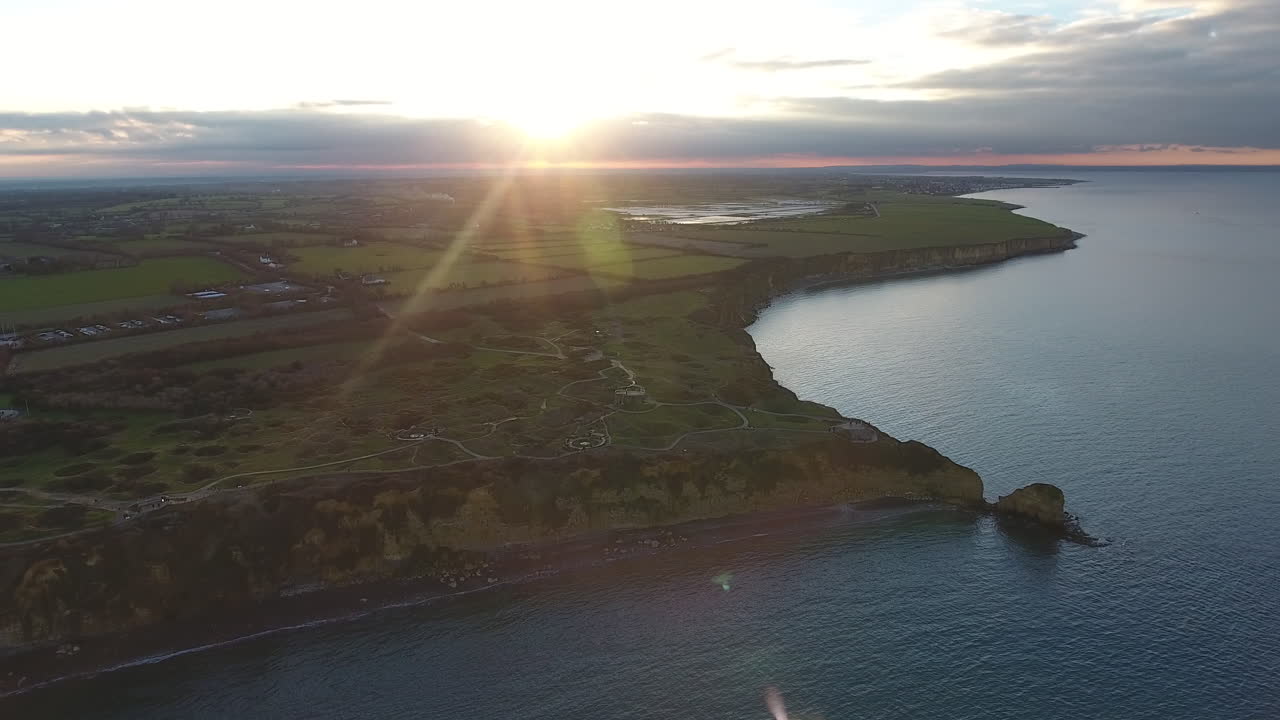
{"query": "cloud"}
(787, 64)
(998, 28)
(341, 103)
(778, 64)
(1185, 81)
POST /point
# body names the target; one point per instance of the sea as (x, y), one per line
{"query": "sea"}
(1139, 372)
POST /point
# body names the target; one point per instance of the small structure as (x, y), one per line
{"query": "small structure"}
(273, 288)
(630, 397)
(221, 314)
(207, 295)
(856, 431)
(591, 440)
(9, 414)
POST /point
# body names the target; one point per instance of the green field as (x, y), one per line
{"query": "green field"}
(581, 257)
(61, 313)
(401, 233)
(530, 291)
(371, 258)
(25, 523)
(905, 222)
(195, 202)
(285, 239)
(467, 274)
(94, 351)
(22, 250)
(670, 267)
(150, 277)
(661, 426)
(327, 352)
(159, 245)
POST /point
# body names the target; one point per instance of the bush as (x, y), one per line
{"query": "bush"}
(197, 472)
(96, 480)
(136, 471)
(137, 458)
(76, 469)
(64, 517)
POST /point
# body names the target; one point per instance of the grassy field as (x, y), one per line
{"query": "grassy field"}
(472, 274)
(156, 245)
(530, 291)
(670, 267)
(150, 277)
(327, 352)
(22, 250)
(580, 257)
(371, 258)
(197, 202)
(285, 239)
(62, 313)
(905, 222)
(27, 523)
(661, 426)
(102, 349)
(401, 233)
(787, 422)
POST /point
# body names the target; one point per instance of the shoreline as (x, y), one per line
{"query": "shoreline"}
(820, 284)
(25, 672)
(26, 669)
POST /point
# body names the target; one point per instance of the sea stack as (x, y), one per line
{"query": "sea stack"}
(1041, 502)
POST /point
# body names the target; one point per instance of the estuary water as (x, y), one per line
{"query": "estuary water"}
(1140, 372)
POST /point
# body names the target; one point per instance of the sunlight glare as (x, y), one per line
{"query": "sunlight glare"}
(547, 123)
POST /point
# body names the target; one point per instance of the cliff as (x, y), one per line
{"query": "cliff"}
(230, 552)
(756, 284)
(234, 550)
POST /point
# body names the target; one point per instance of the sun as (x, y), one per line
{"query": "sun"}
(547, 123)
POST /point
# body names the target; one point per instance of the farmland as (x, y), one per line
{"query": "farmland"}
(150, 277)
(580, 257)
(476, 296)
(670, 267)
(904, 222)
(57, 357)
(159, 245)
(337, 390)
(277, 239)
(469, 274)
(22, 250)
(374, 257)
(326, 352)
(61, 313)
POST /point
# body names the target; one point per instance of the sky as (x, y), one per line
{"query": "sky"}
(189, 87)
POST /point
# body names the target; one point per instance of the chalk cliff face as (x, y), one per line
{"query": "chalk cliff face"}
(235, 550)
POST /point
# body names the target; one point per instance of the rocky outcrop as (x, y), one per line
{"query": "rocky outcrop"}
(1039, 502)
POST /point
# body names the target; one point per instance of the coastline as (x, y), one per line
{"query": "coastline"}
(24, 672)
(25, 669)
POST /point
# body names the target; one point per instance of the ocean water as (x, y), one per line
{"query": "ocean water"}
(1140, 372)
